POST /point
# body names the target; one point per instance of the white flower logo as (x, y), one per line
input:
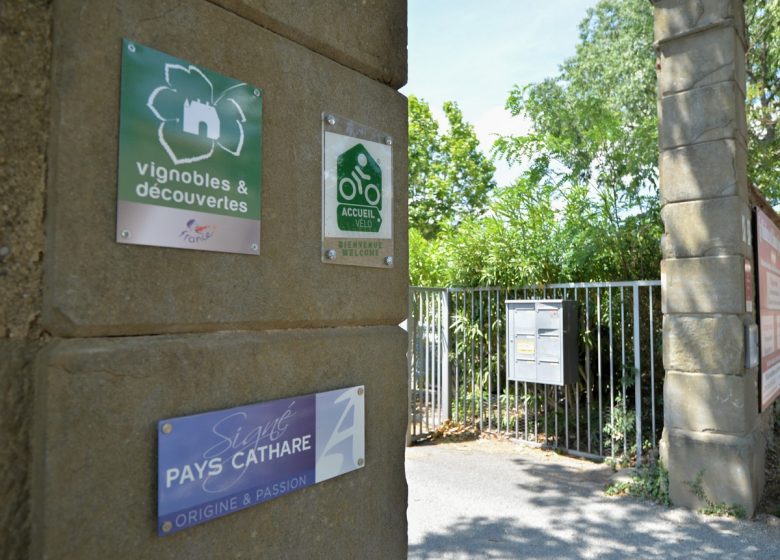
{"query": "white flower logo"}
(192, 122)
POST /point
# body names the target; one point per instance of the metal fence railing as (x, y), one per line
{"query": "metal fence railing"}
(457, 366)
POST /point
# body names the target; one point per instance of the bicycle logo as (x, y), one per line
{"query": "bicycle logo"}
(350, 186)
(359, 191)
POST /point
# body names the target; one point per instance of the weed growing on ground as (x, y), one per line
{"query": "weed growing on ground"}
(650, 482)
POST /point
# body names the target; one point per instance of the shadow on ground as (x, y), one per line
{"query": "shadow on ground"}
(469, 502)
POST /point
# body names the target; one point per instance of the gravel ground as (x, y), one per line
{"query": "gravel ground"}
(497, 499)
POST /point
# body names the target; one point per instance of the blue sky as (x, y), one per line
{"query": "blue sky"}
(474, 51)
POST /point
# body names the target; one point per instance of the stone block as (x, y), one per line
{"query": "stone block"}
(369, 36)
(25, 36)
(94, 454)
(15, 421)
(706, 228)
(711, 57)
(680, 17)
(703, 285)
(710, 402)
(94, 286)
(710, 344)
(706, 170)
(702, 115)
(730, 467)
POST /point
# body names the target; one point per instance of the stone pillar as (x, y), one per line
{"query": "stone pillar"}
(102, 340)
(25, 39)
(712, 428)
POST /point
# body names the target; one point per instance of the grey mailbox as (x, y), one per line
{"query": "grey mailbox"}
(541, 340)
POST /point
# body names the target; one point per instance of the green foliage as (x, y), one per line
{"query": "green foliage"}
(763, 93)
(650, 482)
(593, 144)
(719, 509)
(586, 206)
(449, 177)
(426, 266)
(622, 423)
(595, 123)
(516, 244)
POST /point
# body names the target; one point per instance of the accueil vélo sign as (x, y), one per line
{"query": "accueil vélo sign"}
(357, 194)
(190, 144)
(216, 463)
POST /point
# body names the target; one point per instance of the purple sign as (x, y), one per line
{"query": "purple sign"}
(215, 463)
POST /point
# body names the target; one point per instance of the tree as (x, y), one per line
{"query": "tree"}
(449, 177)
(594, 141)
(513, 244)
(763, 93)
(586, 207)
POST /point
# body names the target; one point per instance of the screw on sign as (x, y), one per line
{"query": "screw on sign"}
(359, 191)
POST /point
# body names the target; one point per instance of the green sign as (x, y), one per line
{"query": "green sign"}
(190, 146)
(359, 191)
(357, 194)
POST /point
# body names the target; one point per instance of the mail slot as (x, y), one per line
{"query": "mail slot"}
(542, 337)
(549, 347)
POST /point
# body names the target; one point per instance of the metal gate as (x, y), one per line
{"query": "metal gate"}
(457, 369)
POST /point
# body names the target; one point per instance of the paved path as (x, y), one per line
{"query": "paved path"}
(495, 499)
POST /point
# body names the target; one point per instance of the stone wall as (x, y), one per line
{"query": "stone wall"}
(115, 337)
(712, 428)
(25, 41)
(97, 403)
